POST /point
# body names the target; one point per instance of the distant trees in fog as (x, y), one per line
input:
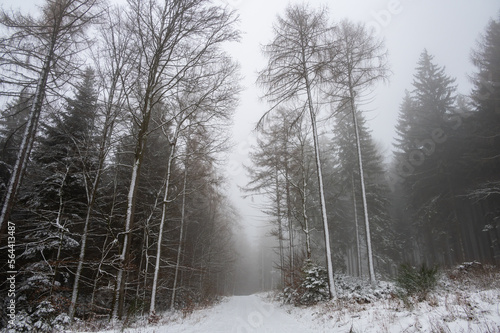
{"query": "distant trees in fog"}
(437, 202)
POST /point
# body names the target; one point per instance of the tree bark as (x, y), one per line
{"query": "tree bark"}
(26, 143)
(321, 189)
(181, 235)
(152, 306)
(371, 270)
(355, 209)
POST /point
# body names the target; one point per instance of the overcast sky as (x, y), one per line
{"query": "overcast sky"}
(448, 29)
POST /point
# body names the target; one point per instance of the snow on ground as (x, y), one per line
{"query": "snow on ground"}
(461, 303)
(236, 314)
(455, 312)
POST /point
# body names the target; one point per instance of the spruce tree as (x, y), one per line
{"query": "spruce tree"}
(52, 201)
(349, 227)
(66, 154)
(12, 124)
(482, 141)
(425, 163)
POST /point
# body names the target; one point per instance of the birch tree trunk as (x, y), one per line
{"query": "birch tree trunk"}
(321, 188)
(371, 270)
(324, 218)
(181, 235)
(306, 218)
(355, 209)
(280, 227)
(289, 215)
(152, 306)
(123, 259)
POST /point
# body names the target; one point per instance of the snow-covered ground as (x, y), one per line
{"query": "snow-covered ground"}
(460, 304)
(457, 312)
(236, 314)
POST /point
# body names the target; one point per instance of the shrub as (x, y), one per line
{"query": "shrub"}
(475, 274)
(416, 282)
(313, 287)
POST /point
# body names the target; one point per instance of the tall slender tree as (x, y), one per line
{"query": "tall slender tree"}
(425, 127)
(114, 61)
(54, 39)
(348, 194)
(293, 73)
(358, 62)
(171, 38)
(12, 125)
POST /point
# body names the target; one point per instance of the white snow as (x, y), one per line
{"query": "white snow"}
(236, 314)
(453, 307)
(457, 312)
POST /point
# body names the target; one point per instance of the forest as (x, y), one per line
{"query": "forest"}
(435, 202)
(115, 127)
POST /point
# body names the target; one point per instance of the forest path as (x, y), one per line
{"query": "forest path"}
(240, 314)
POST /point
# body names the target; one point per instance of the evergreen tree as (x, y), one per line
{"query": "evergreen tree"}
(482, 139)
(349, 229)
(485, 122)
(53, 201)
(66, 154)
(12, 125)
(407, 113)
(427, 163)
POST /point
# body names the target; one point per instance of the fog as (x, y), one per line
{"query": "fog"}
(448, 30)
(142, 183)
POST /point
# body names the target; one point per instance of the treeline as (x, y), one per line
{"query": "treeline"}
(113, 125)
(436, 202)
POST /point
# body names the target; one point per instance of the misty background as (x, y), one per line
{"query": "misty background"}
(448, 30)
(182, 199)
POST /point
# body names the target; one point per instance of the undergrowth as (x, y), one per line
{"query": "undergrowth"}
(415, 282)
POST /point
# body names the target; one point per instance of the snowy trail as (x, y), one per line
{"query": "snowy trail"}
(240, 314)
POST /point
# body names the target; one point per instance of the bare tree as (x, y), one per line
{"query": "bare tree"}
(171, 39)
(113, 62)
(296, 62)
(358, 61)
(39, 52)
(206, 94)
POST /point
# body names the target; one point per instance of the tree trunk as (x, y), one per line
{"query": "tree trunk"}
(355, 208)
(26, 143)
(289, 217)
(371, 270)
(305, 217)
(152, 306)
(324, 217)
(280, 227)
(124, 256)
(181, 234)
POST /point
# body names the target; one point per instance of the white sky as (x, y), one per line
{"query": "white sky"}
(447, 28)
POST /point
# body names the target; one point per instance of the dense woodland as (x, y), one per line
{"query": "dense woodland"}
(436, 202)
(115, 121)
